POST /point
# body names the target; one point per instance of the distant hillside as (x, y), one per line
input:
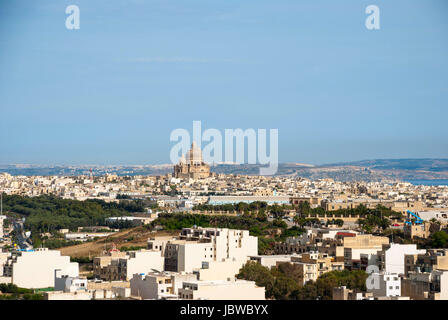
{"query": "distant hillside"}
(366, 170)
(433, 165)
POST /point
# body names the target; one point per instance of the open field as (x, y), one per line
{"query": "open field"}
(137, 236)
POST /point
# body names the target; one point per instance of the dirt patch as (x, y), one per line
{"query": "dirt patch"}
(134, 237)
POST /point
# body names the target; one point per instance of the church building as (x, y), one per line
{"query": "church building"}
(192, 167)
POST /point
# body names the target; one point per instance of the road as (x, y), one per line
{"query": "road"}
(21, 240)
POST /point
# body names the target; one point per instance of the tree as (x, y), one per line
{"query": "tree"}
(254, 271)
(304, 207)
(439, 239)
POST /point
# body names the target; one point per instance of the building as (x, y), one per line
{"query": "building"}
(84, 236)
(34, 269)
(392, 257)
(2, 218)
(385, 285)
(270, 261)
(426, 285)
(197, 245)
(221, 290)
(219, 200)
(61, 295)
(365, 246)
(311, 265)
(220, 270)
(159, 285)
(432, 259)
(343, 293)
(192, 167)
(68, 288)
(67, 283)
(123, 265)
(420, 230)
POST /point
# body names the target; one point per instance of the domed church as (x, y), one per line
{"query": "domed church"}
(193, 167)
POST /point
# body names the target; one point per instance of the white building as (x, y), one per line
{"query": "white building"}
(66, 283)
(159, 285)
(197, 245)
(141, 261)
(221, 290)
(61, 295)
(220, 270)
(394, 257)
(36, 268)
(270, 261)
(385, 285)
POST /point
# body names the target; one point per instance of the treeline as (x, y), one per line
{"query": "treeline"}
(243, 207)
(285, 281)
(178, 221)
(49, 213)
(303, 209)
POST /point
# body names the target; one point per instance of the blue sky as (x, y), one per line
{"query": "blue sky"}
(112, 91)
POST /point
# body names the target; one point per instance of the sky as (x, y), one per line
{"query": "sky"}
(113, 91)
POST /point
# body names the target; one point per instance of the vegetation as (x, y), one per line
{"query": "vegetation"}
(81, 260)
(59, 243)
(439, 239)
(131, 248)
(12, 292)
(50, 213)
(284, 282)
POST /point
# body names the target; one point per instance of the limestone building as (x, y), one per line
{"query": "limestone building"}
(36, 268)
(193, 166)
(197, 245)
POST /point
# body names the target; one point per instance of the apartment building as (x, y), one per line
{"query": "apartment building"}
(323, 261)
(431, 259)
(417, 230)
(197, 245)
(35, 269)
(270, 261)
(123, 265)
(159, 285)
(426, 285)
(385, 285)
(392, 258)
(221, 290)
(365, 246)
(343, 293)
